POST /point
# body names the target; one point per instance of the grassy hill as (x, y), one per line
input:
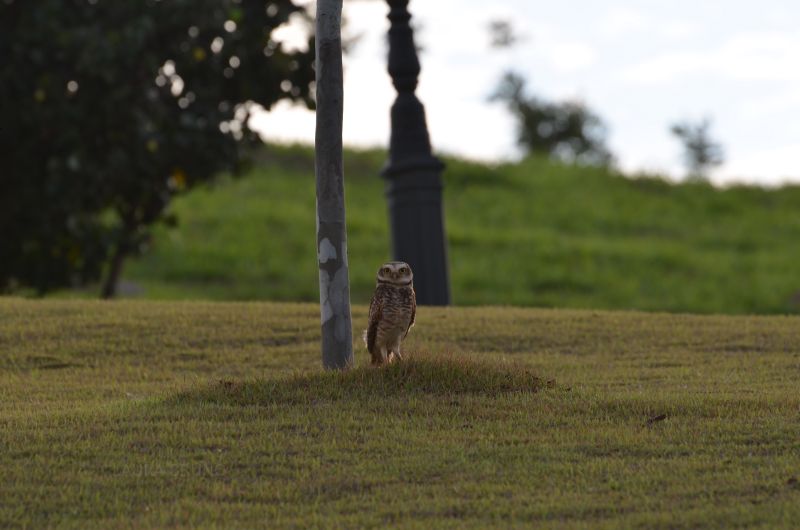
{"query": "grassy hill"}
(217, 415)
(533, 233)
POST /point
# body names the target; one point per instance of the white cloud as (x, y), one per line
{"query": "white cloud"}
(481, 133)
(777, 104)
(678, 29)
(622, 23)
(771, 166)
(762, 56)
(571, 56)
(622, 20)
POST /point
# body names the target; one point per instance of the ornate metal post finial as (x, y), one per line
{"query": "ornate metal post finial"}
(413, 174)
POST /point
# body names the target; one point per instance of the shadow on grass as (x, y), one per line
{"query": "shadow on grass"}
(418, 374)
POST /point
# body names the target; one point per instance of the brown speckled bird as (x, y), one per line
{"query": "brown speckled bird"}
(391, 312)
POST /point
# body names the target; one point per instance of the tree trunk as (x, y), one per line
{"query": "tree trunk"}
(334, 281)
(109, 289)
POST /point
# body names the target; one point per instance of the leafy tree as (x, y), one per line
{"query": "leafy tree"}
(701, 153)
(109, 108)
(502, 34)
(567, 131)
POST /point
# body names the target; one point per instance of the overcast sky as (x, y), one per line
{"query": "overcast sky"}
(640, 64)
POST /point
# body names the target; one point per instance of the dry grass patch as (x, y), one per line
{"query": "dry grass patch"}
(446, 375)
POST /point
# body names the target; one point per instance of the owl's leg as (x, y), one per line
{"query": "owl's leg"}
(384, 355)
(394, 354)
(379, 356)
(376, 357)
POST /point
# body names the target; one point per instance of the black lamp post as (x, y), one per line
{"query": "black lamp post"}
(413, 174)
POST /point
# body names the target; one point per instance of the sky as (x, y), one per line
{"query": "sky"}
(642, 65)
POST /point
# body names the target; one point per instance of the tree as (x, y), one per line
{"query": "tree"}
(334, 282)
(567, 131)
(502, 34)
(109, 109)
(701, 153)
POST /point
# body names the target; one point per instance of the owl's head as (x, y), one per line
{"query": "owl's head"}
(396, 273)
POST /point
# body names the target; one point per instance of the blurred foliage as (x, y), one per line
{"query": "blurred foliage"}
(109, 108)
(566, 131)
(502, 34)
(701, 153)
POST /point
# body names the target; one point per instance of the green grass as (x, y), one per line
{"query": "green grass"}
(217, 415)
(528, 234)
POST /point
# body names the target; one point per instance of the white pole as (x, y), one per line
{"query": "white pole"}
(334, 282)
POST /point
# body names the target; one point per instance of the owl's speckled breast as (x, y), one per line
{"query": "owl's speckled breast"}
(397, 305)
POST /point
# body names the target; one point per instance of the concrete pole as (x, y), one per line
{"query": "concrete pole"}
(334, 281)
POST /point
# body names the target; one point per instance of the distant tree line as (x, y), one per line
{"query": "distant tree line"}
(108, 109)
(567, 131)
(701, 153)
(571, 132)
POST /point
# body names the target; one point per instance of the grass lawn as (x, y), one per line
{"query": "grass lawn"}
(534, 233)
(217, 415)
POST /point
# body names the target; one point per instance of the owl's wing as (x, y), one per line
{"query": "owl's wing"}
(413, 311)
(375, 310)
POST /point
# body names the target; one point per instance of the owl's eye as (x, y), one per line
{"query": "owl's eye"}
(385, 270)
(403, 270)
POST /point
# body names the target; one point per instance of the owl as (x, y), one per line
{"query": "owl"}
(392, 311)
